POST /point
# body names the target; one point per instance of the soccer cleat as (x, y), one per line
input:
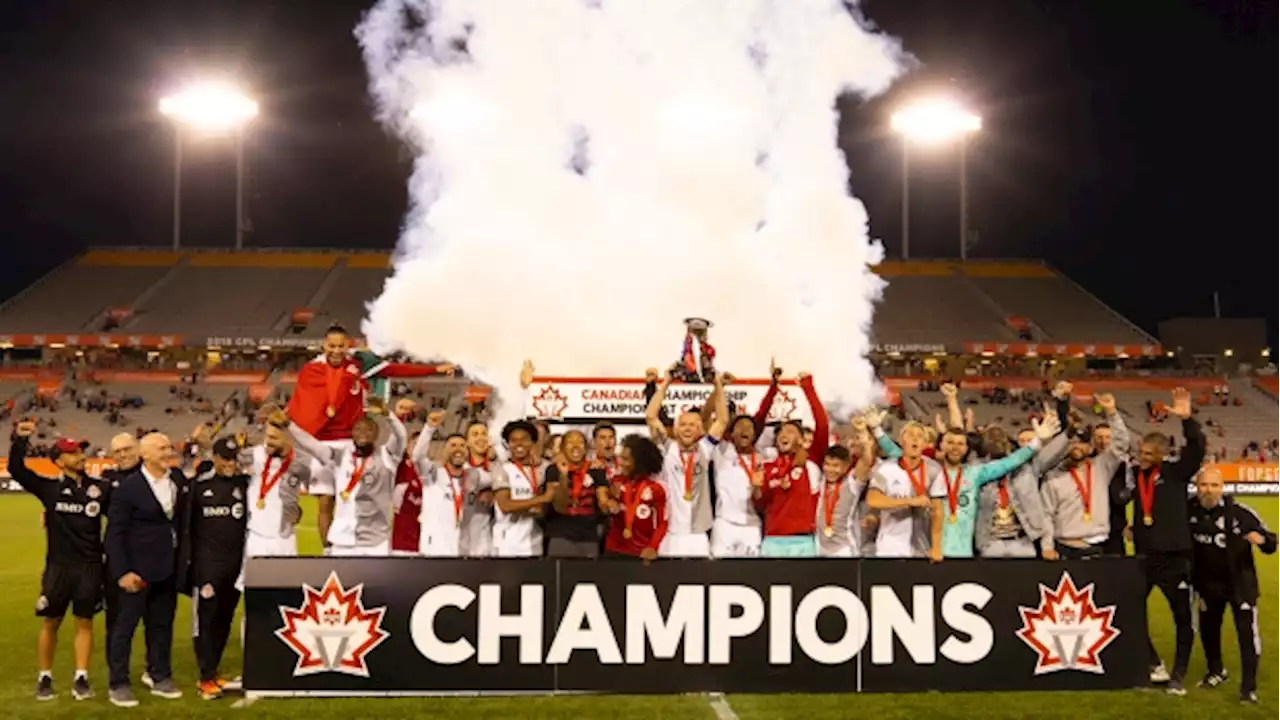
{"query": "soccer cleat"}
(1249, 697)
(1213, 679)
(1175, 688)
(80, 689)
(1159, 674)
(210, 690)
(44, 688)
(122, 697)
(166, 689)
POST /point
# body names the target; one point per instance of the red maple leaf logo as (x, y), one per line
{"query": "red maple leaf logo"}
(1068, 631)
(784, 406)
(550, 402)
(332, 631)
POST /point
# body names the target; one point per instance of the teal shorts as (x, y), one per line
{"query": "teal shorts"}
(790, 546)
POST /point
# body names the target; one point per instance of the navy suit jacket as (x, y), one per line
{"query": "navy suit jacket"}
(140, 537)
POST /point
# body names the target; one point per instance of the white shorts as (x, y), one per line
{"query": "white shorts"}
(694, 545)
(379, 550)
(405, 553)
(263, 546)
(734, 541)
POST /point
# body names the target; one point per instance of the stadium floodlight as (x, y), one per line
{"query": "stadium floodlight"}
(931, 122)
(208, 107)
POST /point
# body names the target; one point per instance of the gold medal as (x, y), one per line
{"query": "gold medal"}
(344, 495)
(262, 504)
(1148, 520)
(951, 518)
(688, 497)
(626, 533)
(1003, 513)
(1088, 517)
(786, 485)
(828, 531)
(330, 411)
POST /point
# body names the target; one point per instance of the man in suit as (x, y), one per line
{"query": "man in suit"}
(141, 541)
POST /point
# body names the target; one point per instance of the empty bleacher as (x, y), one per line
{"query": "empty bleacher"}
(226, 301)
(1063, 311)
(68, 300)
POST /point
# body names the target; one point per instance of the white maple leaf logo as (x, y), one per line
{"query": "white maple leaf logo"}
(550, 402)
(332, 631)
(1068, 631)
(784, 406)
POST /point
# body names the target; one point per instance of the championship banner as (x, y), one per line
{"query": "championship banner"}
(621, 400)
(427, 626)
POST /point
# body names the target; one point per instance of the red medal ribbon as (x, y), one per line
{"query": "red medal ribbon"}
(830, 495)
(921, 484)
(1147, 491)
(458, 496)
(485, 464)
(690, 459)
(578, 477)
(953, 489)
(1004, 493)
(332, 383)
(750, 471)
(530, 473)
(266, 486)
(356, 475)
(630, 503)
(1085, 488)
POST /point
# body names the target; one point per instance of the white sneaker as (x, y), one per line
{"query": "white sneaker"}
(235, 683)
(1159, 674)
(146, 680)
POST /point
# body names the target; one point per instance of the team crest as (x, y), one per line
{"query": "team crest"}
(1068, 631)
(93, 492)
(646, 495)
(797, 473)
(332, 631)
(92, 509)
(643, 512)
(235, 493)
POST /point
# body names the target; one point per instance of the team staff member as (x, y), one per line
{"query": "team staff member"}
(210, 554)
(141, 540)
(1225, 534)
(124, 453)
(1077, 496)
(73, 559)
(1160, 531)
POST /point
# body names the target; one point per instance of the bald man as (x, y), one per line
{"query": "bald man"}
(124, 455)
(141, 541)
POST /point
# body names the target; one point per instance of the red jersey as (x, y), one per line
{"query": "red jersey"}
(789, 497)
(644, 513)
(405, 527)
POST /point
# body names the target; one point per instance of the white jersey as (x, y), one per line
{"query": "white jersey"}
(478, 519)
(518, 534)
(733, 483)
(276, 499)
(443, 495)
(691, 515)
(905, 532)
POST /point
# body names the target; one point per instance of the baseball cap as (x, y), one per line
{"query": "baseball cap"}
(68, 445)
(226, 448)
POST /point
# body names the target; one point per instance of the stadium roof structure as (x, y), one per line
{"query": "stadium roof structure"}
(148, 298)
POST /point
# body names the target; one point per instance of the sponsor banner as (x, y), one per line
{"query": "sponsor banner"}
(1062, 349)
(91, 340)
(368, 626)
(621, 400)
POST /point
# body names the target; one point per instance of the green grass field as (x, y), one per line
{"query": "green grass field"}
(22, 539)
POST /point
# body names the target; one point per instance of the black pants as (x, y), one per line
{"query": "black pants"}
(214, 616)
(1171, 572)
(153, 605)
(1246, 621)
(1071, 552)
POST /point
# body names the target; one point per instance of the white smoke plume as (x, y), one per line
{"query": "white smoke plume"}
(590, 173)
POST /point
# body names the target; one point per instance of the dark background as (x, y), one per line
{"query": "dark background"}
(1128, 143)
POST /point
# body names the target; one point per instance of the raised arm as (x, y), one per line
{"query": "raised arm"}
(1118, 450)
(766, 403)
(1051, 454)
(874, 418)
(821, 423)
(996, 469)
(1192, 456)
(393, 449)
(653, 411)
(40, 486)
(421, 451)
(721, 420)
(955, 418)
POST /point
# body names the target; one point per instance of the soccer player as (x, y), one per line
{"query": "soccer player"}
(1077, 497)
(478, 523)
(604, 444)
(519, 496)
(907, 495)
(1160, 531)
(637, 502)
(736, 529)
(1011, 516)
(786, 491)
(686, 467)
(1121, 493)
(445, 482)
(210, 555)
(962, 481)
(73, 569)
(364, 478)
(1225, 534)
(841, 512)
(577, 490)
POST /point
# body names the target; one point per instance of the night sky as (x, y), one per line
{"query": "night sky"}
(1127, 143)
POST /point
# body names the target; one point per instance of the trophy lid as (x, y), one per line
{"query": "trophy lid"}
(696, 323)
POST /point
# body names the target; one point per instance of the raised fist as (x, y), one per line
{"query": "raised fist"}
(435, 418)
(948, 390)
(651, 375)
(526, 374)
(1107, 402)
(406, 407)
(26, 428)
